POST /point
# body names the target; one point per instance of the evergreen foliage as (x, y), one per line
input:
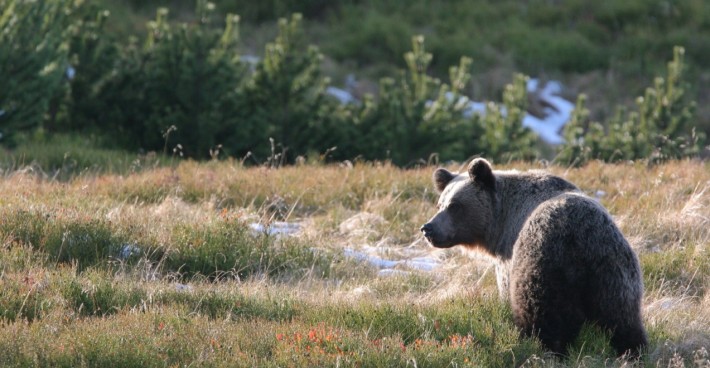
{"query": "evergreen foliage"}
(183, 88)
(92, 56)
(416, 114)
(503, 134)
(285, 99)
(178, 88)
(658, 129)
(33, 61)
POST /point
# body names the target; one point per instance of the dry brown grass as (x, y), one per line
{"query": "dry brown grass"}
(663, 210)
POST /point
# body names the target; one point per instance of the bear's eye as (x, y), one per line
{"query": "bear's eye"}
(455, 207)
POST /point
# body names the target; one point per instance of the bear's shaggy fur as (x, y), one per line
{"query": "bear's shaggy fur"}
(561, 260)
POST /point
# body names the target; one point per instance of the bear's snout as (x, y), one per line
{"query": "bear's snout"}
(434, 236)
(427, 229)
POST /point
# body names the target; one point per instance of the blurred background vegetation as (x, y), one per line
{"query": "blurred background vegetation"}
(188, 78)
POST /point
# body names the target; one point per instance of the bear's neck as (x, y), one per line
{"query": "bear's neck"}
(514, 201)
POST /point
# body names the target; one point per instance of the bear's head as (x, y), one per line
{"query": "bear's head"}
(465, 206)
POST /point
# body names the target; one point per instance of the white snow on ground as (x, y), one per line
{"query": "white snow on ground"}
(372, 260)
(556, 116)
(250, 60)
(343, 96)
(392, 272)
(390, 267)
(182, 287)
(549, 127)
(276, 228)
(70, 72)
(128, 250)
(389, 259)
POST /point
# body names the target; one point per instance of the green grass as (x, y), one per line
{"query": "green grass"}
(59, 156)
(200, 288)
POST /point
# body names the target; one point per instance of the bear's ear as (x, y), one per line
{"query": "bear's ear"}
(481, 172)
(442, 178)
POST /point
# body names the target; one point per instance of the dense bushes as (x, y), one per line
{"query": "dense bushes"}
(660, 128)
(284, 99)
(416, 115)
(33, 60)
(178, 88)
(184, 88)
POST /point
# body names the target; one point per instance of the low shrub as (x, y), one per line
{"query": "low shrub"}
(33, 62)
(64, 237)
(660, 128)
(96, 293)
(176, 91)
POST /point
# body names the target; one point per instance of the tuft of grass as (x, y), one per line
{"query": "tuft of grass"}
(681, 269)
(63, 236)
(96, 293)
(229, 249)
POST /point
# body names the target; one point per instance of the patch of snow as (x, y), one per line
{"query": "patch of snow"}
(423, 263)
(390, 272)
(372, 260)
(182, 287)
(549, 127)
(277, 228)
(70, 72)
(475, 108)
(470, 108)
(417, 263)
(343, 96)
(250, 59)
(556, 116)
(128, 250)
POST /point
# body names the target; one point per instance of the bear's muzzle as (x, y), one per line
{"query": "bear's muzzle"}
(434, 237)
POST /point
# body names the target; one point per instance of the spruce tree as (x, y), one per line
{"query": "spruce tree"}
(658, 129)
(33, 62)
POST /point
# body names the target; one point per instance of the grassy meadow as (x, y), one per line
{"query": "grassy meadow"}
(163, 265)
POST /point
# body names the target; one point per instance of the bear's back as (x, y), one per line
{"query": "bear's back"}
(573, 224)
(518, 196)
(533, 185)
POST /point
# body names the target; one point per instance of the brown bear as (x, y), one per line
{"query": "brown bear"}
(560, 259)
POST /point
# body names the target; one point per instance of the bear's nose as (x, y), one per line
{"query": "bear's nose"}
(427, 228)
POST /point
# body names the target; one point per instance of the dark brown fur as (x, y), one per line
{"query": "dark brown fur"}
(561, 260)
